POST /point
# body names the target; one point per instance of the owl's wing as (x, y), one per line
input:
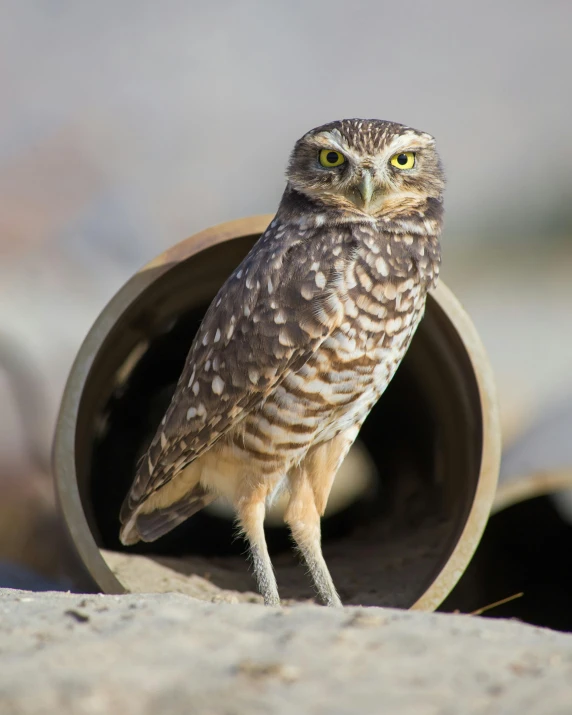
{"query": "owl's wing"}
(269, 317)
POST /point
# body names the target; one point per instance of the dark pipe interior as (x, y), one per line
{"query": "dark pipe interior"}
(424, 436)
(526, 548)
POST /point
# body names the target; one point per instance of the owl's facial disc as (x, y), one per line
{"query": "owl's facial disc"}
(366, 167)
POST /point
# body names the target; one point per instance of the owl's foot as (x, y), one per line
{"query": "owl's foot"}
(312, 553)
(271, 599)
(264, 574)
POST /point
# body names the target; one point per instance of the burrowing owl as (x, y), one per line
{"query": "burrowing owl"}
(300, 342)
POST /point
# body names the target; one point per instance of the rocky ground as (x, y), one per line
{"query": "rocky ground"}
(169, 653)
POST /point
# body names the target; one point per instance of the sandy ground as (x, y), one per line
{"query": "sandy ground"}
(159, 653)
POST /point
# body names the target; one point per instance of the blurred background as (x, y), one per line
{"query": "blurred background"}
(127, 126)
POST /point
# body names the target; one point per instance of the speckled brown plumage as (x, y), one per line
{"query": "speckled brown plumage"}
(299, 343)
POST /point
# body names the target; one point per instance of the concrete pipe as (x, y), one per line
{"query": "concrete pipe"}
(525, 554)
(415, 492)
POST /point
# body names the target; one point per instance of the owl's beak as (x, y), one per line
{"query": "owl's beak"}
(366, 187)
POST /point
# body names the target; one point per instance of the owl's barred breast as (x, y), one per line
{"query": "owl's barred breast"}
(381, 297)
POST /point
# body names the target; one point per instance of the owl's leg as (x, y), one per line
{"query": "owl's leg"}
(303, 518)
(250, 509)
(311, 484)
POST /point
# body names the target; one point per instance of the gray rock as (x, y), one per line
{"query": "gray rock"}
(169, 653)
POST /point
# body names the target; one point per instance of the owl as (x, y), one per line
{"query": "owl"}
(300, 343)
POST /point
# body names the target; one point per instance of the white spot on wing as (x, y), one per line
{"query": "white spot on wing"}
(191, 412)
(392, 325)
(381, 266)
(390, 291)
(217, 335)
(284, 339)
(320, 279)
(217, 385)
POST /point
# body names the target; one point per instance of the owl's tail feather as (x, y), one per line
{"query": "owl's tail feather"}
(151, 525)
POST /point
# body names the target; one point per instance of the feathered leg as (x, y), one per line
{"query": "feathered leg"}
(251, 508)
(304, 521)
(311, 484)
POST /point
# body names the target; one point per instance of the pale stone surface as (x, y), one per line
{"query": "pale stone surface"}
(168, 653)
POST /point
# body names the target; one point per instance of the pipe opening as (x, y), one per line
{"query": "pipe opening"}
(526, 548)
(418, 456)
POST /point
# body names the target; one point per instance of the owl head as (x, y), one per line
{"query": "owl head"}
(366, 166)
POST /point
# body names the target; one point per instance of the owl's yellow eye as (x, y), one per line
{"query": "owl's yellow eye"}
(329, 157)
(405, 160)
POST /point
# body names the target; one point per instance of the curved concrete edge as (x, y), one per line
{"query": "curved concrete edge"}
(490, 461)
(529, 486)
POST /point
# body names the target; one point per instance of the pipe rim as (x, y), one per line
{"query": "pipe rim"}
(66, 483)
(523, 487)
(490, 455)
